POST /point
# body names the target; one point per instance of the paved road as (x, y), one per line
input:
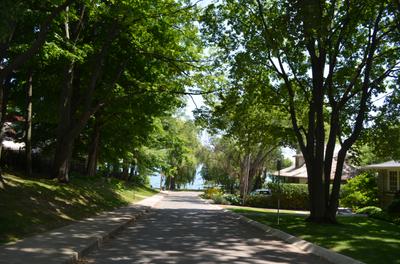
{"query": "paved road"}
(183, 229)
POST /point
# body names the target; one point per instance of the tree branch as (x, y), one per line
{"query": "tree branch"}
(37, 44)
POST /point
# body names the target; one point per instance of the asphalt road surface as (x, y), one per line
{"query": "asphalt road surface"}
(184, 229)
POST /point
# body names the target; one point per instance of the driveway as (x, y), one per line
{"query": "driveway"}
(184, 229)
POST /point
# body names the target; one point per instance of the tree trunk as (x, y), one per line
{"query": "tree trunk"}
(62, 158)
(316, 188)
(244, 176)
(161, 180)
(108, 172)
(316, 195)
(94, 151)
(64, 142)
(2, 87)
(28, 136)
(68, 130)
(172, 183)
(258, 181)
(131, 172)
(334, 198)
(125, 170)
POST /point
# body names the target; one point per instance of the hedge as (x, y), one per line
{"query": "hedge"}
(292, 196)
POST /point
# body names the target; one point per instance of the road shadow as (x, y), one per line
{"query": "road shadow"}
(185, 230)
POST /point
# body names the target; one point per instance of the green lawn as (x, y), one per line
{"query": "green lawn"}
(30, 206)
(368, 240)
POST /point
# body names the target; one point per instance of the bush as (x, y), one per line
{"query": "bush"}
(360, 191)
(369, 210)
(292, 196)
(378, 213)
(386, 217)
(219, 199)
(211, 192)
(232, 199)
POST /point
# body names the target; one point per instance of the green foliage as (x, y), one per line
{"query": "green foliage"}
(219, 199)
(313, 66)
(362, 153)
(220, 164)
(225, 163)
(369, 210)
(360, 191)
(181, 144)
(384, 135)
(233, 199)
(286, 162)
(385, 216)
(291, 196)
(144, 51)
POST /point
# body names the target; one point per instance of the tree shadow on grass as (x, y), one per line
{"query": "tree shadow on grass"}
(32, 206)
(365, 239)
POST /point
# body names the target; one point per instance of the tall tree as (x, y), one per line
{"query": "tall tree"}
(323, 60)
(22, 35)
(181, 144)
(249, 123)
(28, 125)
(125, 46)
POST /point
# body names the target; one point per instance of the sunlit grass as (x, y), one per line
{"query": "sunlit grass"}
(362, 238)
(30, 206)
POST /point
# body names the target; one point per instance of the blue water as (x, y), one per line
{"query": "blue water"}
(198, 183)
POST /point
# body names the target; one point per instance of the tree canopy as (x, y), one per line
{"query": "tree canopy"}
(105, 77)
(321, 61)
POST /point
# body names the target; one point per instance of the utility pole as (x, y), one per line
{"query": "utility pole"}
(279, 166)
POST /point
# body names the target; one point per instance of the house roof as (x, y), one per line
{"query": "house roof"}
(384, 165)
(301, 172)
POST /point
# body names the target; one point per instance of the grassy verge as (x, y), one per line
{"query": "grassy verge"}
(30, 206)
(368, 240)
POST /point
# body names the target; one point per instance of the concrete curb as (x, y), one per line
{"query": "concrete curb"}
(306, 246)
(99, 240)
(112, 233)
(67, 244)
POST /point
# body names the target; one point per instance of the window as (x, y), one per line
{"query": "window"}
(393, 179)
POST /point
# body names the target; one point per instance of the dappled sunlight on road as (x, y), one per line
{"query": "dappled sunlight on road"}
(183, 229)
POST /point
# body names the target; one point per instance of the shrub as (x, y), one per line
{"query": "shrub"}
(360, 191)
(219, 199)
(210, 192)
(258, 201)
(292, 196)
(369, 210)
(378, 213)
(233, 199)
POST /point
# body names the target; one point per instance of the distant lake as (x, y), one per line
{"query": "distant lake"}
(197, 184)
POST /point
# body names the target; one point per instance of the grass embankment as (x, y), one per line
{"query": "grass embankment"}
(365, 239)
(31, 206)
